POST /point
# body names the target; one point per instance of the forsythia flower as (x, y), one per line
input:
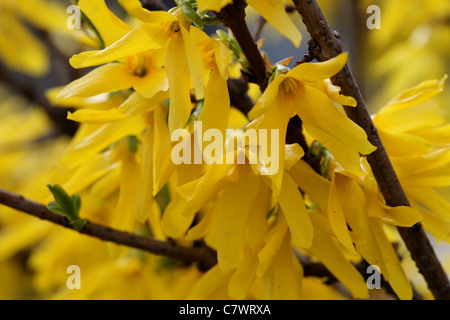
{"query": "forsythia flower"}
(158, 30)
(304, 91)
(417, 139)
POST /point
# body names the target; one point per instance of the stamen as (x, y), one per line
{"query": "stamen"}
(139, 64)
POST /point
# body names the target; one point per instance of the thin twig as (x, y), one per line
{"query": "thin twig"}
(154, 5)
(205, 256)
(233, 17)
(415, 238)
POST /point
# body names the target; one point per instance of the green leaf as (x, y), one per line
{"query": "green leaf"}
(76, 200)
(64, 204)
(78, 224)
(53, 206)
(64, 201)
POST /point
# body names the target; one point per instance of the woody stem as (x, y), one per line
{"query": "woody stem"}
(203, 255)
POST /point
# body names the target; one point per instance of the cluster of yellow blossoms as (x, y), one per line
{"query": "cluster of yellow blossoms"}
(162, 74)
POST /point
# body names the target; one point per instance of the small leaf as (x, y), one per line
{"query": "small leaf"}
(78, 224)
(63, 200)
(76, 200)
(53, 206)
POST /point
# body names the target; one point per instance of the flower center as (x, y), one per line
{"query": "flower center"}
(288, 85)
(208, 54)
(139, 64)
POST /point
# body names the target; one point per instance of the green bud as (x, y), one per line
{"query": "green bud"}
(68, 206)
(63, 201)
(132, 143)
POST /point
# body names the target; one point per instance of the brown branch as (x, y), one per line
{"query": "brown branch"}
(154, 5)
(414, 238)
(202, 255)
(237, 89)
(233, 17)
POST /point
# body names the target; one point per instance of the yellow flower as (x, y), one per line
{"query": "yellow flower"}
(272, 10)
(304, 91)
(158, 30)
(234, 201)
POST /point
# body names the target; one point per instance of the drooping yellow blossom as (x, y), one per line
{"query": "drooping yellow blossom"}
(304, 91)
(417, 139)
(158, 30)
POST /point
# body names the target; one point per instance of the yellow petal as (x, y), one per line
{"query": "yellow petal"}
(205, 225)
(434, 224)
(110, 27)
(394, 272)
(294, 210)
(333, 92)
(216, 108)
(101, 138)
(179, 82)
(195, 63)
(256, 231)
(325, 249)
(124, 214)
(273, 241)
(416, 95)
(415, 117)
(293, 153)
(267, 99)
(274, 12)
(15, 238)
(96, 116)
(135, 9)
(54, 19)
(339, 194)
(313, 184)
(422, 166)
(222, 56)
(401, 216)
(163, 165)
(236, 203)
(22, 51)
(314, 72)
(136, 104)
(212, 5)
(243, 277)
(404, 145)
(107, 78)
(284, 278)
(208, 284)
(142, 38)
(144, 195)
(174, 223)
(325, 116)
(153, 82)
(347, 156)
(430, 199)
